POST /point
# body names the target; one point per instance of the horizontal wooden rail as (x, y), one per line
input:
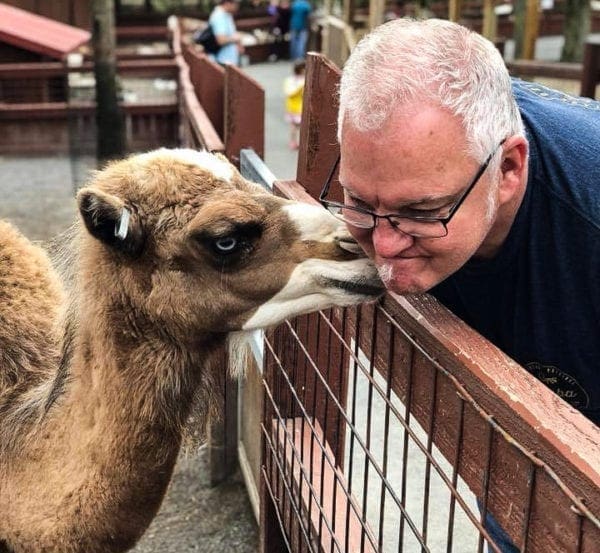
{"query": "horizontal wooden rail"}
(145, 32)
(50, 110)
(533, 68)
(136, 66)
(587, 72)
(197, 129)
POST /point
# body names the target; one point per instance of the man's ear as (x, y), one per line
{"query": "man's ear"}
(108, 219)
(514, 168)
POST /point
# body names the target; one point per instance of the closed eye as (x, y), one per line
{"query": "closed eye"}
(433, 213)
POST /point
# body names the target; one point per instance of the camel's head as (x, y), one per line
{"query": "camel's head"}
(191, 244)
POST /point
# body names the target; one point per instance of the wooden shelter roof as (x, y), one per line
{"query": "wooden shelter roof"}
(39, 34)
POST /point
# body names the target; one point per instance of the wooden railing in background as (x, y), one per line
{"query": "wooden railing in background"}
(38, 115)
(223, 109)
(587, 72)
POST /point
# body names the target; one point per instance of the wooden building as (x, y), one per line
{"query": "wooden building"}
(27, 38)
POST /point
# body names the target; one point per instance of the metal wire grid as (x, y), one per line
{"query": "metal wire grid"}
(338, 487)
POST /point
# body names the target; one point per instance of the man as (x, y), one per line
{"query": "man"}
(299, 19)
(482, 190)
(223, 26)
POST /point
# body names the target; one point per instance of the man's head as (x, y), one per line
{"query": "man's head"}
(423, 105)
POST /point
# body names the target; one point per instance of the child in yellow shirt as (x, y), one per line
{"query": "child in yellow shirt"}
(293, 87)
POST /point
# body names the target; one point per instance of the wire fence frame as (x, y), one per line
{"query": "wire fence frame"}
(288, 387)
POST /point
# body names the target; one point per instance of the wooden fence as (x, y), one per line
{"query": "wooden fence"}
(586, 73)
(39, 111)
(482, 425)
(222, 108)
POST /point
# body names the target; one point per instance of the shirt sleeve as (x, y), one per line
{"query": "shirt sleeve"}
(292, 86)
(219, 24)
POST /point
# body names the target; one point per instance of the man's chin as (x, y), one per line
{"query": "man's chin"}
(401, 282)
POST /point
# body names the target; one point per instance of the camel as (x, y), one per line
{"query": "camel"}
(101, 363)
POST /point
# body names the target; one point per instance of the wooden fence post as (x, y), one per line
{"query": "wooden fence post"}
(591, 68)
(318, 133)
(244, 114)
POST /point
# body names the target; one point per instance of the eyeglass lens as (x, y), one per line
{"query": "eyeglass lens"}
(360, 219)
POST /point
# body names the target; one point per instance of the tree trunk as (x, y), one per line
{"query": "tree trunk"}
(109, 119)
(520, 9)
(577, 27)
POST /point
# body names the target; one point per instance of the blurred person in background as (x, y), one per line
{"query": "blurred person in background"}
(293, 87)
(223, 26)
(280, 27)
(299, 23)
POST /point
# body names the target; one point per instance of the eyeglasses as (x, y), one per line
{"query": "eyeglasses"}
(425, 226)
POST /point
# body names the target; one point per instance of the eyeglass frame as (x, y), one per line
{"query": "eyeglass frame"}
(443, 220)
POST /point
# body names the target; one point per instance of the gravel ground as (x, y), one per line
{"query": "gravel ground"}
(196, 517)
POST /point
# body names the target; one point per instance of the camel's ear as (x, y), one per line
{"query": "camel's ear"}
(108, 219)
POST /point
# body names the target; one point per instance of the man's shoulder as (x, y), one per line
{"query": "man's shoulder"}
(532, 97)
(563, 133)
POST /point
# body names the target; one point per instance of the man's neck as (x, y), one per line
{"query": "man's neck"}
(501, 227)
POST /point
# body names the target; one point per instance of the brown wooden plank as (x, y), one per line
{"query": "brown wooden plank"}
(318, 133)
(146, 32)
(327, 482)
(557, 70)
(210, 90)
(201, 125)
(139, 66)
(591, 68)
(244, 114)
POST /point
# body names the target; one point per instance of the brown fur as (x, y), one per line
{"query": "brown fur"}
(96, 382)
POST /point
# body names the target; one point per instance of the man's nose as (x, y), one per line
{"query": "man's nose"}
(388, 241)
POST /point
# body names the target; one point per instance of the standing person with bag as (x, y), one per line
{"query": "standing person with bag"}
(227, 37)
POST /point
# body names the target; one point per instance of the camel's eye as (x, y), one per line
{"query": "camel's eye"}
(226, 244)
(232, 246)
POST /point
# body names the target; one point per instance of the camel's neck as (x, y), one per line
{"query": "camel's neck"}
(110, 441)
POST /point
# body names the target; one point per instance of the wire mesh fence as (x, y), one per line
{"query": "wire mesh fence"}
(371, 444)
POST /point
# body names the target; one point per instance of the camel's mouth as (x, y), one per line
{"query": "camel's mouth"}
(370, 288)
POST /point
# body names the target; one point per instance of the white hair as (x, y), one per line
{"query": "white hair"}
(406, 61)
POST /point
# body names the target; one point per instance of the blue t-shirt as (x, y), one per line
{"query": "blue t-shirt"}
(538, 299)
(300, 11)
(222, 24)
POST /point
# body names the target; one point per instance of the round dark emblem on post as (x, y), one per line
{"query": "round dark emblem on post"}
(562, 384)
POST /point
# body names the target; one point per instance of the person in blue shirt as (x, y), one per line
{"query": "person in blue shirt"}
(299, 22)
(223, 26)
(481, 189)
